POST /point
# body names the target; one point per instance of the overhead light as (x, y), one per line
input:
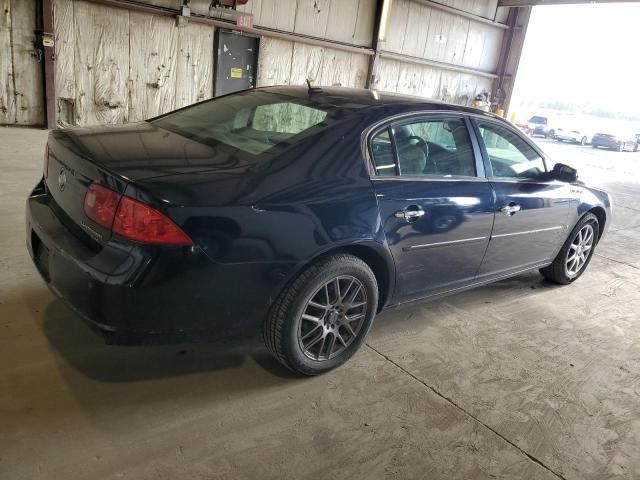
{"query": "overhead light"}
(384, 20)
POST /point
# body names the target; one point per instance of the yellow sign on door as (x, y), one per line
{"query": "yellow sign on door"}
(236, 73)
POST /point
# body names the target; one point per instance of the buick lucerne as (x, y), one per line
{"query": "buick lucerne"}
(298, 214)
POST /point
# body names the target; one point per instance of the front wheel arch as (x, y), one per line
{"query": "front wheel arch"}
(601, 215)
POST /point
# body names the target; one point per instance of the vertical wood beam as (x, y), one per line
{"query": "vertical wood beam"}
(374, 45)
(49, 65)
(511, 51)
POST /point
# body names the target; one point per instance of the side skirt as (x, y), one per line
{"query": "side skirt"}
(469, 286)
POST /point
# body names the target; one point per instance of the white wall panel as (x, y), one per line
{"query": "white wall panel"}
(21, 83)
(65, 75)
(7, 94)
(312, 16)
(274, 62)
(327, 66)
(101, 63)
(194, 69)
(422, 31)
(347, 21)
(152, 58)
(429, 82)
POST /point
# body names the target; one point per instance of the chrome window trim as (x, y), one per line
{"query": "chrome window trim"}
(430, 178)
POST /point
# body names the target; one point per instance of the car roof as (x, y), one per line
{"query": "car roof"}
(362, 98)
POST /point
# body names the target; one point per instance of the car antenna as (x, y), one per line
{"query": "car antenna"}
(313, 89)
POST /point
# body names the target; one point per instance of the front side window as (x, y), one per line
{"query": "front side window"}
(510, 155)
(425, 147)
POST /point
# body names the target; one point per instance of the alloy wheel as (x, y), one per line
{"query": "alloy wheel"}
(332, 318)
(579, 250)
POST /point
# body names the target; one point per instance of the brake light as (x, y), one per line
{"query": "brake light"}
(131, 218)
(100, 204)
(46, 161)
(141, 223)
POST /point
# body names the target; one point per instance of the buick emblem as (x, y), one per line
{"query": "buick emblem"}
(62, 180)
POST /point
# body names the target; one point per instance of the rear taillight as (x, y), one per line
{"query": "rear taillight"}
(142, 223)
(100, 204)
(46, 161)
(131, 218)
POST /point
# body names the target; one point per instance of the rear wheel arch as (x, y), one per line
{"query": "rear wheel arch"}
(374, 256)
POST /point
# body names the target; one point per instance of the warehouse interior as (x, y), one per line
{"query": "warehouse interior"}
(519, 379)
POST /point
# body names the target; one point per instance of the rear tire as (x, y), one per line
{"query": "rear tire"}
(314, 308)
(574, 248)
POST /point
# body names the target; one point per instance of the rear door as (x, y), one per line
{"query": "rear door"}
(531, 210)
(435, 203)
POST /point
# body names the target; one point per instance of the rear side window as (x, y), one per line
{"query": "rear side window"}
(424, 147)
(383, 158)
(510, 155)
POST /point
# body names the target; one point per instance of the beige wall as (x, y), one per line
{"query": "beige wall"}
(21, 84)
(114, 65)
(419, 30)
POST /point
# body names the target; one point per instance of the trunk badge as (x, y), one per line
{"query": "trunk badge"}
(62, 180)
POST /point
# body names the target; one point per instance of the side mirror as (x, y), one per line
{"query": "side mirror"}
(564, 173)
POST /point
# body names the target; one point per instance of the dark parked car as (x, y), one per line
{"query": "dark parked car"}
(300, 214)
(616, 141)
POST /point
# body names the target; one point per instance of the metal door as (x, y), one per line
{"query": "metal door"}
(531, 209)
(437, 224)
(236, 62)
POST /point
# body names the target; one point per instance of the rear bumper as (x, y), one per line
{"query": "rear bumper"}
(140, 293)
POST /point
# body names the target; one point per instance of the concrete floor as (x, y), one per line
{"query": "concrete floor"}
(521, 379)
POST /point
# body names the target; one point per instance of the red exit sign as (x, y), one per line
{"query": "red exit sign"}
(245, 21)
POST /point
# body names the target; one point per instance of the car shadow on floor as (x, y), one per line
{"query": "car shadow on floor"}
(87, 352)
(417, 314)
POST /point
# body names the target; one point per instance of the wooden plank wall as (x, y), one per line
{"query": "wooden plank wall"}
(347, 21)
(418, 30)
(21, 81)
(116, 66)
(283, 62)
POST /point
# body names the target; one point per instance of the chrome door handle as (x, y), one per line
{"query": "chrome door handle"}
(510, 209)
(410, 214)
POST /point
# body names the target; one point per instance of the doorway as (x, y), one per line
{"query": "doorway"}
(236, 62)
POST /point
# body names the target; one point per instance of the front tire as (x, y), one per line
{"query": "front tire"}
(576, 253)
(321, 319)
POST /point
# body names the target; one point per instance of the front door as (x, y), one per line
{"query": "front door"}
(531, 210)
(435, 204)
(236, 61)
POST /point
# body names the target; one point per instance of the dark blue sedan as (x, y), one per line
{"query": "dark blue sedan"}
(299, 213)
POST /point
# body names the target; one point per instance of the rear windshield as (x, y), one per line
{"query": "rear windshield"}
(253, 121)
